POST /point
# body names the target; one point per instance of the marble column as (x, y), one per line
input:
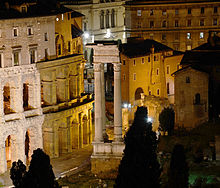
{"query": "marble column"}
(98, 103)
(103, 98)
(117, 103)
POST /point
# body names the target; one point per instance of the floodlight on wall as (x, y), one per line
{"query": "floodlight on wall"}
(149, 119)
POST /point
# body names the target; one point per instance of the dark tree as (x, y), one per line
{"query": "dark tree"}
(139, 166)
(40, 174)
(178, 172)
(167, 119)
(17, 173)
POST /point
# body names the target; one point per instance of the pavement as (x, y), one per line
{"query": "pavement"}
(64, 165)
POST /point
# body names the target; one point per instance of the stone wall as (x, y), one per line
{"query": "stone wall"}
(191, 98)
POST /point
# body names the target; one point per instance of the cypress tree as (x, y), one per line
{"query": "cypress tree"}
(139, 166)
(178, 172)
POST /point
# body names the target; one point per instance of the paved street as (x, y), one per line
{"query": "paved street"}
(65, 165)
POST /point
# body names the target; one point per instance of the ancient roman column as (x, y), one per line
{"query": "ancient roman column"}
(103, 97)
(117, 103)
(98, 103)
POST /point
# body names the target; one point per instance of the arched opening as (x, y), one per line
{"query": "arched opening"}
(85, 129)
(197, 98)
(27, 147)
(138, 93)
(25, 96)
(7, 102)
(8, 151)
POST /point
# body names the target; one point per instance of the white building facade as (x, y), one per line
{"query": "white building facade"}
(104, 20)
(23, 42)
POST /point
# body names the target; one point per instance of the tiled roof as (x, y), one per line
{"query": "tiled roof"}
(139, 48)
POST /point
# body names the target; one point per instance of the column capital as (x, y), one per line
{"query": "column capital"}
(117, 67)
(97, 67)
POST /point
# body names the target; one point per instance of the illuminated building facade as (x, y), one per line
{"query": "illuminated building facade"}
(103, 20)
(181, 25)
(68, 111)
(21, 46)
(146, 75)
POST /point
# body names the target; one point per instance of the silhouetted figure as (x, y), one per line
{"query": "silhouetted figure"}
(139, 166)
(178, 172)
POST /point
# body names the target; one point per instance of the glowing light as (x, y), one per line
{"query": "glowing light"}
(57, 19)
(108, 33)
(86, 35)
(149, 119)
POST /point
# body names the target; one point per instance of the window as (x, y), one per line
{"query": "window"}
(138, 12)
(30, 31)
(202, 10)
(113, 18)
(215, 21)
(197, 99)
(134, 76)
(59, 49)
(155, 58)
(201, 35)
(149, 92)
(189, 23)
(202, 22)
(215, 10)
(23, 9)
(164, 23)
(149, 59)
(151, 12)
(46, 53)
(168, 69)
(176, 36)
(15, 32)
(107, 19)
(84, 26)
(176, 11)
(32, 55)
(151, 24)
(68, 16)
(157, 71)
(16, 57)
(168, 88)
(102, 20)
(134, 62)
(69, 46)
(45, 37)
(188, 35)
(62, 17)
(158, 92)
(123, 62)
(187, 79)
(124, 77)
(189, 47)
(151, 36)
(1, 60)
(164, 36)
(164, 12)
(176, 23)
(189, 10)
(142, 60)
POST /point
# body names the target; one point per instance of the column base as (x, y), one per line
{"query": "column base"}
(106, 158)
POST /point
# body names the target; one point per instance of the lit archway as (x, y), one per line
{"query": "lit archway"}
(138, 93)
